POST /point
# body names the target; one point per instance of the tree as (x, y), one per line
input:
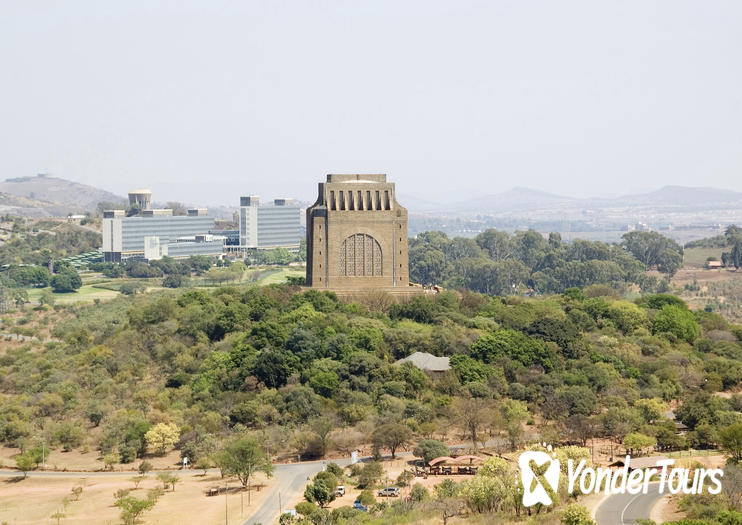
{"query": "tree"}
(144, 467)
(497, 244)
(626, 316)
(654, 250)
(638, 442)
(132, 508)
(731, 440)
(323, 490)
(20, 298)
(168, 479)
(174, 280)
(58, 516)
(25, 463)
(514, 345)
(429, 449)
(67, 281)
(203, 464)
(678, 321)
(243, 457)
(514, 413)
(325, 383)
(391, 436)
(370, 473)
(162, 437)
(419, 493)
(322, 426)
(132, 288)
(47, 298)
(574, 514)
(487, 493)
(136, 480)
(472, 413)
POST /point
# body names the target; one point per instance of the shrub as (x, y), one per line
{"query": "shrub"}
(419, 493)
(429, 449)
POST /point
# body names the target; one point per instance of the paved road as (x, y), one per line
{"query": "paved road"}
(288, 480)
(625, 509)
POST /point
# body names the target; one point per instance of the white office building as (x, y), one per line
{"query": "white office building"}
(267, 226)
(157, 234)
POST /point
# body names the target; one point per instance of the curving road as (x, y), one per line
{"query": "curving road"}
(625, 509)
(288, 481)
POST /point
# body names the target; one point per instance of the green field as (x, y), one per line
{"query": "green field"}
(96, 287)
(87, 293)
(280, 275)
(696, 257)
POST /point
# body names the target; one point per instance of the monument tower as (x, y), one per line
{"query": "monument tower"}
(357, 235)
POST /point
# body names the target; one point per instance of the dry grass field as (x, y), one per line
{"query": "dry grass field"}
(721, 290)
(35, 499)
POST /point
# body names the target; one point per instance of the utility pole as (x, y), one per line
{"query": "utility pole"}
(280, 508)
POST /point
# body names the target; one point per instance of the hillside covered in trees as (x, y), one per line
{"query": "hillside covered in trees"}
(273, 359)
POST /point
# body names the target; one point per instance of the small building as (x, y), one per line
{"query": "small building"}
(447, 465)
(428, 363)
(141, 198)
(714, 265)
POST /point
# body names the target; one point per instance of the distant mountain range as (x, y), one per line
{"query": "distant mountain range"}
(522, 199)
(44, 196)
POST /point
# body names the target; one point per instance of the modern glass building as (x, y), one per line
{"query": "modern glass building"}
(267, 226)
(124, 237)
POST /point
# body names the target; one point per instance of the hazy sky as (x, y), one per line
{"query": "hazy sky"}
(203, 101)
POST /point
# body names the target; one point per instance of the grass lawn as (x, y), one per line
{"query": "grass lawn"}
(87, 293)
(696, 257)
(281, 275)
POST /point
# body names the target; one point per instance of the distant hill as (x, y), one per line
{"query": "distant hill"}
(521, 199)
(517, 198)
(50, 196)
(683, 196)
(14, 205)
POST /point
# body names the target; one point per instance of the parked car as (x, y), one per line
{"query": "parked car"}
(389, 492)
(340, 491)
(359, 506)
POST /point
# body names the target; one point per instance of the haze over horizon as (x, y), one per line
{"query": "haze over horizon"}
(201, 102)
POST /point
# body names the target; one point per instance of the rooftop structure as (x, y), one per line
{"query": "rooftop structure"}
(427, 362)
(141, 197)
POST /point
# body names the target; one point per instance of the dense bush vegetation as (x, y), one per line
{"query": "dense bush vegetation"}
(28, 245)
(320, 371)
